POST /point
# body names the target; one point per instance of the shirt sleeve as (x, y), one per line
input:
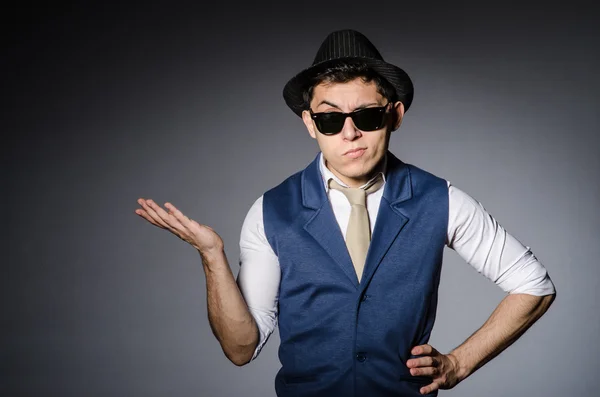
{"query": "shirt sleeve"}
(484, 244)
(259, 275)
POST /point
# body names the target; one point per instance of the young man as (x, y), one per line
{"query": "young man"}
(346, 254)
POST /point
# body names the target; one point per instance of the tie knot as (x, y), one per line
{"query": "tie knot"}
(357, 195)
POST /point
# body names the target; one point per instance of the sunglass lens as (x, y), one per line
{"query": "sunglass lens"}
(369, 119)
(330, 123)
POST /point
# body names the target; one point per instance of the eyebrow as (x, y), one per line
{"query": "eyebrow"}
(365, 105)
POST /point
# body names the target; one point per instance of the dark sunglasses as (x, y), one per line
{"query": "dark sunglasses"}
(367, 119)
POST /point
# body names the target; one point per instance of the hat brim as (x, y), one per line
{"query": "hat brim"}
(398, 78)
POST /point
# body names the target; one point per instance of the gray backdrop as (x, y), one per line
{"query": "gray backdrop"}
(104, 105)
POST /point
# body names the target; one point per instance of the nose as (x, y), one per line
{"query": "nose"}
(349, 130)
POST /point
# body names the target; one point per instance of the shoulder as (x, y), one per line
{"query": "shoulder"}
(418, 176)
(255, 208)
(459, 199)
(254, 218)
(424, 182)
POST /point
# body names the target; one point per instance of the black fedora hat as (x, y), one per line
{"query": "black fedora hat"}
(345, 46)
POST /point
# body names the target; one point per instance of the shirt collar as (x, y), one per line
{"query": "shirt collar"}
(326, 174)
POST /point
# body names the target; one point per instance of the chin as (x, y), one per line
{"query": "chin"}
(358, 171)
(360, 166)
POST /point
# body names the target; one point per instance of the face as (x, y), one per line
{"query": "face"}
(352, 155)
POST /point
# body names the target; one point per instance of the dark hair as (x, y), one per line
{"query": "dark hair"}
(346, 71)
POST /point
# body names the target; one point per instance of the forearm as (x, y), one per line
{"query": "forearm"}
(513, 316)
(228, 314)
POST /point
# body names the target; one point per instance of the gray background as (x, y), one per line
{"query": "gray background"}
(104, 105)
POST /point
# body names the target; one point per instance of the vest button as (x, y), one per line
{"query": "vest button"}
(361, 357)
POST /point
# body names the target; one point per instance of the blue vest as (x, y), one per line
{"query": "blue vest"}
(340, 337)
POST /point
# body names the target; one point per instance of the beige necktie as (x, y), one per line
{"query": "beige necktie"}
(358, 235)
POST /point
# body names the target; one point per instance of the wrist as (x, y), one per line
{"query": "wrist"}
(460, 368)
(212, 256)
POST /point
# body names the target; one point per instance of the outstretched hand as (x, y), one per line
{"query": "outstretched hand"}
(443, 368)
(201, 237)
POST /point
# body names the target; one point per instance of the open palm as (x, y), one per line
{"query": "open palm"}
(201, 237)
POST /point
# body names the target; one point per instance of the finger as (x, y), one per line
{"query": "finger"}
(184, 220)
(430, 388)
(427, 361)
(149, 214)
(425, 371)
(162, 217)
(145, 203)
(180, 226)
(147, 217)
(423, 350)
(177, 216)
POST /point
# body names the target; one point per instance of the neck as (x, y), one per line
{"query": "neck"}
(359, 181)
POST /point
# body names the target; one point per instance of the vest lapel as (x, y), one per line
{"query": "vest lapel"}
(390, 220)
(322, 226)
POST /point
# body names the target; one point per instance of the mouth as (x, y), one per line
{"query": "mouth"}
(355, 153)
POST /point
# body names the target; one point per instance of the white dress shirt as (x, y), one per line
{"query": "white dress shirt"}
(472, 232)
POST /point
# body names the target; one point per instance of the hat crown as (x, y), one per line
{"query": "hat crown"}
(346, 44)
(339, 48)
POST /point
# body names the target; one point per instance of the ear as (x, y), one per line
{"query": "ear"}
(398, 110)
(308, 122)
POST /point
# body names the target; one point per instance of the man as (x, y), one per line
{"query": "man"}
(346, 254)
